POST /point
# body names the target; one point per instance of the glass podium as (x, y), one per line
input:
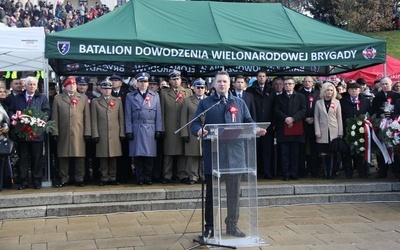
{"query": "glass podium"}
(234, 168)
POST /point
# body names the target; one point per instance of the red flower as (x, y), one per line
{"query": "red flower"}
(74, 101)
(112, 104)
(389, 100)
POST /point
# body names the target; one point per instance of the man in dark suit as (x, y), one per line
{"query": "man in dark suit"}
(30, 150)
(264, 99)
(383, 107)
(239, 91)
(124, 169)
(289, 112)
(311, 95)
(218, 115)
(353, 104)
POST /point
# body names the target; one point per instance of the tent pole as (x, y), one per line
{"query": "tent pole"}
(47, 182)
(384, 69)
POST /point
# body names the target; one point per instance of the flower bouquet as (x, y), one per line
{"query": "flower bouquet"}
(360, 133)
(391, 134)
(31, 123)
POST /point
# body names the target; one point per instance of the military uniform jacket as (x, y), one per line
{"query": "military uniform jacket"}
(171, 107)
(108, 126)
(72, 123)
(189, 109)
(143, 119)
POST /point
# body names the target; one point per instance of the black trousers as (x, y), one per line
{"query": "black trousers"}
(312, 159)
(30, 154)
(289, 158)
(265, 151)
(143, 168)
(232, 184)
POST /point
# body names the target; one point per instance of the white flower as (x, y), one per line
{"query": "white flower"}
(14, 122)
(359, 123)
(362, 149)
(355, 143)
(361, 130)
(362, 140)
(353, 127)
(353, 133)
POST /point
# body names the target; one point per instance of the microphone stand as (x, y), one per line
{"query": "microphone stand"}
(202, 241)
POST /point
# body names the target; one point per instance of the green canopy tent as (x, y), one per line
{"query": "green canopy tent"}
(200, 37)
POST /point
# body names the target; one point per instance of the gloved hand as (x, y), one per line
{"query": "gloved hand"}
(96, 140)
(55, 138)
(121, 138)
(87, 138)
(158, 135)
(130, 136)
(185, 139)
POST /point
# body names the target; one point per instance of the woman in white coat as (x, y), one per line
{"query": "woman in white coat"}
(328, 125)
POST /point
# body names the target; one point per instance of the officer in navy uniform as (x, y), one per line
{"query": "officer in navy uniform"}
(124, 162)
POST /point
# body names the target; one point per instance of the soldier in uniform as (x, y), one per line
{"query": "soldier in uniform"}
(172, 100)
(143, 127)
(107, 132)
(193, 151)
(71, 115)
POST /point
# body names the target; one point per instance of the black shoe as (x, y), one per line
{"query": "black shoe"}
(285, 178)
(23, 186)
(208, 233)
(184, 180)
(114, 183)
(268, 177)
(381, 175)
(140, 183)
(148, 182)
(62, 184)
(79, 184)
(102, 183)
(191, 182)
(295, 178)
(37, 186)
(234, 231)
(165, 181)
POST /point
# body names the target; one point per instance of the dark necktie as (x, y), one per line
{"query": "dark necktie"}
(240, 96)
(29, 100)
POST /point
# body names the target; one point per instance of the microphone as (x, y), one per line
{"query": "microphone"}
(223, 99)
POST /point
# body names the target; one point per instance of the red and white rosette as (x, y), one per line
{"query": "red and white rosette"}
(112, 105)
(179, 96)
(147, 99)
(370, 134)
(15, 117)
(389, 100)
(74, 103)
(358, 104)
(310, 100)
(233, 110)
(333, 107)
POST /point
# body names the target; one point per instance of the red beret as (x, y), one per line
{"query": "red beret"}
(69, 80)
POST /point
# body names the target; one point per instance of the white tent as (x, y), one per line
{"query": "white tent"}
(22, 49)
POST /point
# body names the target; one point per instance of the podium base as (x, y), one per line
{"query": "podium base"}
(240, 242)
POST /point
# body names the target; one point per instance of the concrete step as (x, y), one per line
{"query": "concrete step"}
(32, 205)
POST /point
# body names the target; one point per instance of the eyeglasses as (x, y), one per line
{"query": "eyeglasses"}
(200, 87)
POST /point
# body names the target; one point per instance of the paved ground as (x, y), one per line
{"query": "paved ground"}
(328, 226)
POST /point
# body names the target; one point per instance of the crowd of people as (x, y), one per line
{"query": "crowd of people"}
(112, 130)
(52, 18)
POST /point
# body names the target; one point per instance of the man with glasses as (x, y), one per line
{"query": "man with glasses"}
(192, 146)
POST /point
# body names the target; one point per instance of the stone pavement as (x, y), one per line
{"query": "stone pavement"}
(327, 226)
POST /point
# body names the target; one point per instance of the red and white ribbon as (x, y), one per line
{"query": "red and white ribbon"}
(368, 134)
(358, 104)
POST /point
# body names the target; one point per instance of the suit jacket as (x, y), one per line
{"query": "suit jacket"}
(107, 125)
(380, 98)
(328, 122)
(233, 153)
(249, 100)
(121, 95)
(311, 98)
(171, 107)
(187, 114)
(143, 119)
(39, 102)
(285, 106)
(349, 109)
(264, 101)
(72, 124)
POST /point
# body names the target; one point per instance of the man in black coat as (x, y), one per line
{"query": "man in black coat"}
(311, 95)
(263, 96)
(239, 87)
(353, 104)
(289, 111)
(383, 107)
